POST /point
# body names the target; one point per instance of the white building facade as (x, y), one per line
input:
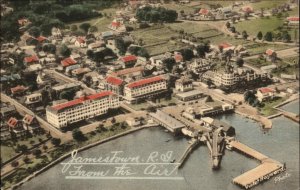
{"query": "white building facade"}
(61, 115)
(144, 88)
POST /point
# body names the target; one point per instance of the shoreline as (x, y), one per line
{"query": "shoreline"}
(55, 162)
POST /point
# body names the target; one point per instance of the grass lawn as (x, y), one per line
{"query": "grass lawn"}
(190, 28)
(7, 152)
(268, 109)
(139, 106)
(267, 4)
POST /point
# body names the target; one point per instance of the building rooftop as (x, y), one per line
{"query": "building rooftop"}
(81, 100)
(65, 86)
(128, 71)
(189, 93)
(144, 81)
(67, 62)
(114, 81)
(167, 119)
(128, 58)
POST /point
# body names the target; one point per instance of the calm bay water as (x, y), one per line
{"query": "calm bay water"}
(292, 107)
(281, 143)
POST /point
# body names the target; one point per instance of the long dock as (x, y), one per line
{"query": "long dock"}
(187, 152)
(247, 150)
(264, 171)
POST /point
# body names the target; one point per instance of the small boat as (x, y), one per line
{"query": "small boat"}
(166, 130)
(172, 161)
(167, 140)
(229, 147)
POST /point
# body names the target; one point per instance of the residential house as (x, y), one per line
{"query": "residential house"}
(15, 125)
(133, 121)
(128, 61)
(18, 90)
(271, 55)
(68, 62)
(80, 42)
(31, 60)
(33, 98)
(7, 110)
(200, 65)
(184, 84)
(80, 71)
(30, 123)
(264, 94)
(293, 20)
(135, 73)
(56, 33)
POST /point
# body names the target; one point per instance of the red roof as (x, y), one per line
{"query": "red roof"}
(225, 45)
(144, 81)
(41, 38)
(28, 119)
(18, 89)
(178, 57)
(31, 59)
(116, 24)
(12, 122)
(266, 90)
(269, 51)
(203, 11)
(81, 40)
(114, 81)
(247, 9)
(82, 100)
(293, 18)
(67, 62)
(128, 58)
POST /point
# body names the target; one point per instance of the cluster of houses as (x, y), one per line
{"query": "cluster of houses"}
(10, 123)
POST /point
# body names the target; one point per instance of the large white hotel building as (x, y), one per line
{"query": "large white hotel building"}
(144, 88)
(61, 115)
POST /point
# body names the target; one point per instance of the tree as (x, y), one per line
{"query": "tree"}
(14, 163)
(232, 29)
(23, 148)
(286, 37)
(169, 64)
(113, 120)
(85, 27)
(34, 31)
(78, 135)
(151, 109)
(259, 35)
(156, 14)
(65, 51)
(37, 152)
(55, 141)
(187, 54)
(268, 36)
(26, 160)
(93, 29)
(240, 62)
(67, 94)
(90, 54)
(202, 49)
(227, 24)
(245, 35)
(74, 28)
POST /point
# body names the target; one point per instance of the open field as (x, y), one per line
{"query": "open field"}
(268, 109)
(7, 152)
(267, 4)
(271, 24)
(100, 22)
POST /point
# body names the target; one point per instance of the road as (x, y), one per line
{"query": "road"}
(48, 127)
(67, 79)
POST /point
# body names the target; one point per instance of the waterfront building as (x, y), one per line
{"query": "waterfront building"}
(184, 85)
(144, 88)
(190, 95)
(85, 107)
(264, 94)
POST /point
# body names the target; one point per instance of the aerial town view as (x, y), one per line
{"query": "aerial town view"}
(149, 94)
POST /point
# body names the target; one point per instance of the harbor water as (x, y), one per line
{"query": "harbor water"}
(280, 143)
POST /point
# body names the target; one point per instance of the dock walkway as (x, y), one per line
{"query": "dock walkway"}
(264, 171)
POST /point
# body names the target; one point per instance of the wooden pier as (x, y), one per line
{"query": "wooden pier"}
(264, 171)
(188, 151)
